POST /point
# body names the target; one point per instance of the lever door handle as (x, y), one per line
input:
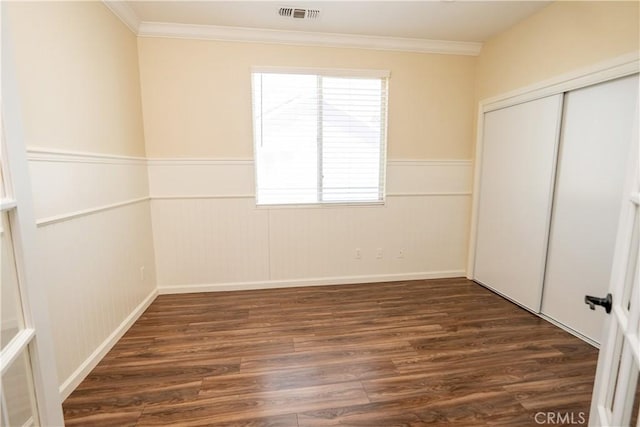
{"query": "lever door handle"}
(604, 302)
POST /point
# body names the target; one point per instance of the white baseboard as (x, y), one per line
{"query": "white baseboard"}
(87, 366)
(343, 280)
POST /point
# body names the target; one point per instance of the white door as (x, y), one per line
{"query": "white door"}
(616, 394)
(29, 392)
(17, 405)
(594, 147)
(516, 183)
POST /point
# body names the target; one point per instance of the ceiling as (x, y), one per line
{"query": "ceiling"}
(464, 21)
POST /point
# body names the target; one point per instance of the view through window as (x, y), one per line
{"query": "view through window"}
(319, 138)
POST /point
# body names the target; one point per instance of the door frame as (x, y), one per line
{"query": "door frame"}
(611, 69)
(37, 336)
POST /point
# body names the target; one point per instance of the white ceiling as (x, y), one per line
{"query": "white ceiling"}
(467, 21)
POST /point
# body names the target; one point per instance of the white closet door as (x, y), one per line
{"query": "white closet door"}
(516, 181)
(596, 132)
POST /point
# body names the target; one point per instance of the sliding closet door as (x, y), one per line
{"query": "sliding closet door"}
(594, 146)
(516, 181)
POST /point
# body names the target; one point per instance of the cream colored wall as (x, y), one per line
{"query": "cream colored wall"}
(562, 37)
(77, 68)
(197, 96)
(77, 65)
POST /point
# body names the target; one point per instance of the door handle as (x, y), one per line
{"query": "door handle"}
(604, 302)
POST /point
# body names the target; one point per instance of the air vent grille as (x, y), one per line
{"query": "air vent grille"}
(299, 13)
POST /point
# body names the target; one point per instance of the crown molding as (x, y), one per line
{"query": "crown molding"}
(126, 14)
(237, 34)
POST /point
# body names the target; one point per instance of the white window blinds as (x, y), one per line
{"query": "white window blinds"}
(319, 137)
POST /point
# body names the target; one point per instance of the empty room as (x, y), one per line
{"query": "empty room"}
(320, 213)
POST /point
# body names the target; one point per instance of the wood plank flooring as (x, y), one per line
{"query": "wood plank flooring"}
(436, 352)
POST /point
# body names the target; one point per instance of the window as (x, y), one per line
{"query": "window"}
(320, 137)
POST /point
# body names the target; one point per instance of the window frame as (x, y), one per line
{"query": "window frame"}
(384, 75)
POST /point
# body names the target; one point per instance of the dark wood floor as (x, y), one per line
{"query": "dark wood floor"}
(439, 352)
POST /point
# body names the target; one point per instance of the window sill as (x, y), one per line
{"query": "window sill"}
(326, 205)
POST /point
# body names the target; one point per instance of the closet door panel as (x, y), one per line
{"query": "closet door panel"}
(516, 182)
(594, 146)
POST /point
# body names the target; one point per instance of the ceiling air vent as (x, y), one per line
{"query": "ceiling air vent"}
(299, 13)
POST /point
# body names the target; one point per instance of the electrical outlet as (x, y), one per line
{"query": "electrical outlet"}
(379, 253)
(141, 274)
(401, 253)
(358, 254)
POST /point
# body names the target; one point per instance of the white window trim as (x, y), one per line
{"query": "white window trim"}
(324, 205)
(327, 72)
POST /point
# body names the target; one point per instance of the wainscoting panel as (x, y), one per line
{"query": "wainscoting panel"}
(204, 241)
(409, 235)
(67, 183)
(209, 234)
(95, 282)
(96, 246)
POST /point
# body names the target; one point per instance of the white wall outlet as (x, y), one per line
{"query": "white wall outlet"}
(358, 254)
(401, 253)
(379, 253)
(141, 273)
